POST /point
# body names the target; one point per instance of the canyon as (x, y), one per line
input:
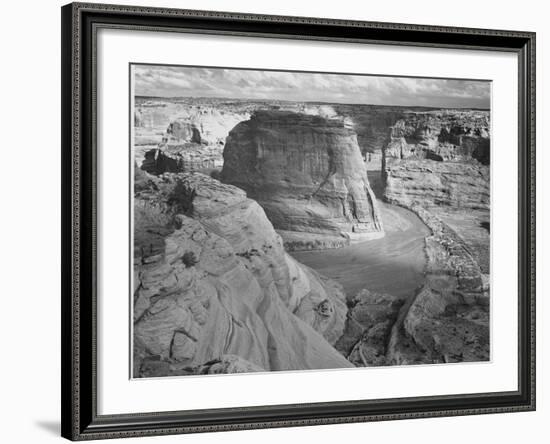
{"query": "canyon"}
(273, 235)
(220, 283)
(307, 172)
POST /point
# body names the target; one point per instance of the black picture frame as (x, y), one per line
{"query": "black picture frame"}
(80, 22)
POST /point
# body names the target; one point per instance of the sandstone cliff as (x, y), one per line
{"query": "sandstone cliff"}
(436, 164)
(306, 171)
(193, 136)
(371, 123)
(439, 159)
(444, 320)
(448, 319)
(211, 279)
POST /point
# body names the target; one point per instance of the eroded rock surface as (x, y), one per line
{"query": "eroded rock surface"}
(193, 141)
(448, 319)
(369, 323)
(306, 171)
(445, 320)
(212, 279)
(215, 291)
(439, 159)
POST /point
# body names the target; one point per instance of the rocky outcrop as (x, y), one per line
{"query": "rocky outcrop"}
(207, 126)
(220, 283)
(449, 254)
(192, 140)
(444, 320)
(182, 158)
(437, 184)
(437, 163)
(439, 159)
(448, 319)
(306, 171)
(441, 325)
(151, 117)
(371, 123)
(369, 324)
(442, 136)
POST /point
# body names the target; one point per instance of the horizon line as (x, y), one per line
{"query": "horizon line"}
(309, 101)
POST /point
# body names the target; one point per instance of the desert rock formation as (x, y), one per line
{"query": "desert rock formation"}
(306, 171)
(439, 159)
(436, 164)
(448, 319)
(444, 320)
(193, 141)
(211, 279)
(215, 290)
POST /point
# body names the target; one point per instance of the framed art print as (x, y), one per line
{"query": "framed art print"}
(279, 221)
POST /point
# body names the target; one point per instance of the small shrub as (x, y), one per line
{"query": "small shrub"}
(189, 259)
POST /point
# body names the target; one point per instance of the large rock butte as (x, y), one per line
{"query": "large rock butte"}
(306, 171)
(211, 279)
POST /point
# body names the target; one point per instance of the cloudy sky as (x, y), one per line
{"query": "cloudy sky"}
(171, 81)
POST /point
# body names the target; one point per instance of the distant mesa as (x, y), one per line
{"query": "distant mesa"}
(306, 171)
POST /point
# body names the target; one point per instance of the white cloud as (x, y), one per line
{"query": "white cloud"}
(172, 81)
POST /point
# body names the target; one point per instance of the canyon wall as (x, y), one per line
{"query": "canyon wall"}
(446, 319)
(439, 159)
(371, 123)
(306, 171)
(437, 164)
(214, 290)
(188, 134)
(193, 140)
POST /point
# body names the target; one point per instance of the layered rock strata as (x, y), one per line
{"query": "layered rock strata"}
(433, 184)
(193, 139)
(371, 123)
(445, 320)
(307, 173)
(182, 158)
(448, 319)
(434, 163)
(439, 159)
(211, 279)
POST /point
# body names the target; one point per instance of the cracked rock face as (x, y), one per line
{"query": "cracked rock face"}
(369, 323)
(193, 140)
(441, 325)
(211, 279)
(306, 171)
(448, 319)
(439, 159)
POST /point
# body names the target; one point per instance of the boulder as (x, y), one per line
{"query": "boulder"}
(369, 323)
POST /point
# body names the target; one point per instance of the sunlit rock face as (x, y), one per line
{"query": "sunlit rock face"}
(212, 280)
(442, 135)
(193, 140)
(306, 171)
(439, 159)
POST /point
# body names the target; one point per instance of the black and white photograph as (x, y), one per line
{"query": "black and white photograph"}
(275, 222)
(289, 221)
